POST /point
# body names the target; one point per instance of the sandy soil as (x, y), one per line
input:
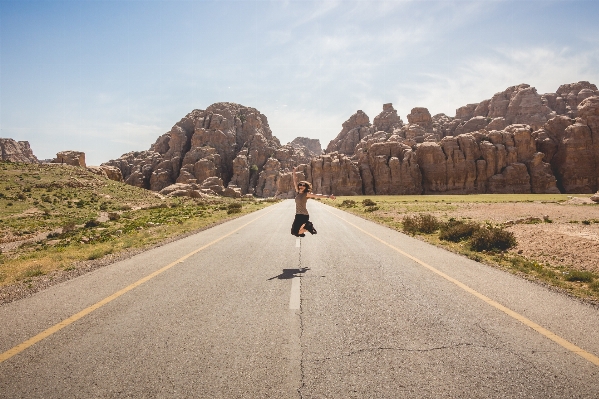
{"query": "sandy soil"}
(566, 241)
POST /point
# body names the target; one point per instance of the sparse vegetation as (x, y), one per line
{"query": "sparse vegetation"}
(457, 230)
(423, 223)
(347, 204)
(483, 240)
(234, 207)
(582, 276)
(87, 217)
(490, 238)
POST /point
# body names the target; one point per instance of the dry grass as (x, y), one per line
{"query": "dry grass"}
(61, 216)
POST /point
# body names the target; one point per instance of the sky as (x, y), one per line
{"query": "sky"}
(107, 77)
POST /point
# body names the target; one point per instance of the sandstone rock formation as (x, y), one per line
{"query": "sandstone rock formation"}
(387, 120)
(226, 141)
(109, 172)
(16, 151)
(312, 145)
(73, 158)
(353, 130)
(515, 142)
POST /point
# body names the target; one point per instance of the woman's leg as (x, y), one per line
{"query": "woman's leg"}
(306, 223)
(298, 224)
(302, 229)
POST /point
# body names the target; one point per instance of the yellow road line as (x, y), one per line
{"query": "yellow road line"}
(45, 334)
(541, 330)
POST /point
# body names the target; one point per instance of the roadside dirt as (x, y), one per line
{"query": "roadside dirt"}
(565, 234)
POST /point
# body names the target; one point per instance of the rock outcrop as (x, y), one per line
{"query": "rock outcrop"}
(515, 142)
(388, 120)
(73, 158)
(228, 141)
(109, 172)
(312, 145)
(353, 130)
(17, 151)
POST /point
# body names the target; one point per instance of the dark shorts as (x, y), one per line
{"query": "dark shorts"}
(297, 223)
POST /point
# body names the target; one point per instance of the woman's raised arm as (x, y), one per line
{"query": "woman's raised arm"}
(310, 195)
(294, 179)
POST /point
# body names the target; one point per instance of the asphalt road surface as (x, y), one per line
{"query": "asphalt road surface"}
(245, 310)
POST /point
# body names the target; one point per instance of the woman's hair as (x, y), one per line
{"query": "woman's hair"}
(308, 186)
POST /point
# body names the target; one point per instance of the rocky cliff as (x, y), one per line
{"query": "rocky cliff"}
(16, 151)
(518, 141)
(228, 141)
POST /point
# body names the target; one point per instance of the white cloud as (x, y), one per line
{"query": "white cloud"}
(479, 78)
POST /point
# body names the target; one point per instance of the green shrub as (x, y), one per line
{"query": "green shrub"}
(113, 216)
(91, 223)
(368, 202)
(235, 205)
(371, 208)
(347, 204)
(423, 223)
(492, 238)
(584, 277)
(457, 230)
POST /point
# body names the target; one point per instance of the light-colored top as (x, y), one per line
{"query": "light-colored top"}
(300, 203)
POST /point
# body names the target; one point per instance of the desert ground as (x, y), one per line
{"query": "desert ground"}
(560, 230)
(571, 239)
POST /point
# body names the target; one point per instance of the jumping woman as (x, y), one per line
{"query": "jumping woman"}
(302, 223)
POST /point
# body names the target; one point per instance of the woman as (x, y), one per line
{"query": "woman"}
(302, 223)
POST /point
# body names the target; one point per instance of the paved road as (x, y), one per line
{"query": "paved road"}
(245, 310)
